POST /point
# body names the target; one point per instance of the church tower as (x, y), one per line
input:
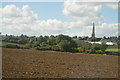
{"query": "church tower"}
(93, 32)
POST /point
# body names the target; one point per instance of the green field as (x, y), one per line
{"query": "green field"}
(112, 50)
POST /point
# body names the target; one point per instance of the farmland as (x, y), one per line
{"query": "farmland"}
(23, 63)
(113, 49)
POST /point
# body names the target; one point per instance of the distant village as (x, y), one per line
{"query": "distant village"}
(108, 41)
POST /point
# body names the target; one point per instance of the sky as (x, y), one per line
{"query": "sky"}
(54, 18)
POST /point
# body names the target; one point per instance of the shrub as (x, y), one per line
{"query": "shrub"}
(67, 46)
(93, 51)
(96, 46)
(37, 48)
(42, 48)
(103, 48)
(113, 53)
(84, 48)
(12, 46)
(28, 46)
(55, 48)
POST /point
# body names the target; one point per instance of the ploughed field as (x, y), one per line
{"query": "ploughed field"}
(20, 63)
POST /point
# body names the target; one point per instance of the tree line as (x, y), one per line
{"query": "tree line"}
(56, 43)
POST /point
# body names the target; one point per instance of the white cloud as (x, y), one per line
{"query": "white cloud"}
(24, 21)
(100, 30)
(10, 11)
(59, 0)
(14, 11)
(112, 5)
(84, 12)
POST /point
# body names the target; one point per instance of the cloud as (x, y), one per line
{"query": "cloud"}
(84, 12)
(10, 11)
(100, 30)
(94, 1)
(14, 11)
(112, 5)
(59, 0)
(23, 20)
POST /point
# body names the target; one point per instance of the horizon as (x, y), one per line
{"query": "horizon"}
(56, 35)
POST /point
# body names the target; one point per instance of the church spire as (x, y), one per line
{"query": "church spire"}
(93, 32)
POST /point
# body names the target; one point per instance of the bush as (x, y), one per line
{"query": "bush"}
(67, 46)
(55, 48)
(84, 48)
(93, 51)
(42, 48)
(103, 48)
(28, 46)
(24, 47)
(37, 48)
(96, 46)
(12, 46)
(45, 48)
(113, 53)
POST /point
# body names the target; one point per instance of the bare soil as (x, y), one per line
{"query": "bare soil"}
(20, 63)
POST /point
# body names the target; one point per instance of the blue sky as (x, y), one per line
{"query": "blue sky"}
(53, 10)
(110, 15)
(53, 19)
(45, 10)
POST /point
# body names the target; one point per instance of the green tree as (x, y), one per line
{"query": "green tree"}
(51, 41)
(68, 46)
(92, 50)
(75, 37)
(103, 47)
(84, 48)
(65, 45)
(61, 37)
(96, 46)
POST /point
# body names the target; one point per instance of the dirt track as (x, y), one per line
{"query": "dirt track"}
(48, 64)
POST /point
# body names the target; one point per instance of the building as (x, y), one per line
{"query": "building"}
(93, 38)
(93, 33)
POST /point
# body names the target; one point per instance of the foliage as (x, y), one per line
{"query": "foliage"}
(55, 48)
(57, 43)
(92, 50)
(84, 48)
(96, 46)
(65, 45)
(10, 45)
(103, 48)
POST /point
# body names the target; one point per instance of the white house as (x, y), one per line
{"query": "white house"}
(107, 43)
(111, 43)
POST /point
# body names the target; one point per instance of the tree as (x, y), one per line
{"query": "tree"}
(61, 37)
(51, 41)
(103, 47)
(96, 46)
(84, 48)
(43, 44)
(65, 45)
(23, 41)
(93, 51)
(104, 37)
(68, 46)
(75, 37)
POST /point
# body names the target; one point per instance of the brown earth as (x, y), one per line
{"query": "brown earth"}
(19, 63)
